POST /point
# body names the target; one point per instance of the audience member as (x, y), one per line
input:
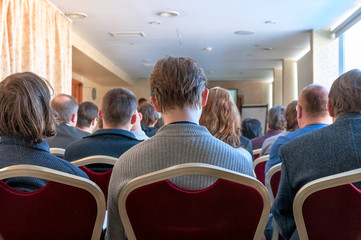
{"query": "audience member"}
(178, 85)
(150, 117)
(276, 124)
(291, 125)
(160, 122)
(251, 128)
(66, 111)
(119, 113)
(141, 101)
(25, 120)
(137, 129)
(222, 119)
(327, 151)
(311, 115)
(87, 117)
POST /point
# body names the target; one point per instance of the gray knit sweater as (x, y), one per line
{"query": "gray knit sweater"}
(173, 144)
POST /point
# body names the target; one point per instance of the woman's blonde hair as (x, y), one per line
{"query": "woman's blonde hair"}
(221, 117)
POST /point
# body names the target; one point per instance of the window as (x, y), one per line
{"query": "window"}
(352, 48)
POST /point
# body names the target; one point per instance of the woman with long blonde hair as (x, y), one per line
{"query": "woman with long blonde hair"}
(222, 119)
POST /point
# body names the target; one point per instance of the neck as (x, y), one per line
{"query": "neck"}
(126, 127)
(323, 120)
(87, 129)
(182, 114)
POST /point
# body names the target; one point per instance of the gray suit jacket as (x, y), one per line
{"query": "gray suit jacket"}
(320, 153)
(65, 135)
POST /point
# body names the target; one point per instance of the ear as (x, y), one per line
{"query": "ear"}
(330, 109)
(140, 116)
(133, 118)
(155, 104)
(205, 97)
(100, 113)
(299, 112)
(94, 122)
(74, 118)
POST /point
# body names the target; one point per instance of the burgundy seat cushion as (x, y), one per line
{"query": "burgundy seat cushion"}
(100, 178)
(225, 210)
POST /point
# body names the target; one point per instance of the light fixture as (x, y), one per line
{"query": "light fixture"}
(244, 32)
(127, 34)
(267, 49)
(76, 15)
(208, 49)
(168, 13)
(272, 21)
(148, 64)
(155, 22)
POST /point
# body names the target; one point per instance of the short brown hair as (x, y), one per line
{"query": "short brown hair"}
(149, 113)
(314, 99)
(86, 113)
(177, 82)
(276, 118)
(345, 93)
(119, 104)
(221, 117)
(291, 116)
(24, 107)
(64, 106)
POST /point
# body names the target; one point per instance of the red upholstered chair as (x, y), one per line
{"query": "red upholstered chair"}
(259, 166)
(257, 153)
(329, 208)
(273, 178)
(100, 178)
(236, 206)
(68, 207)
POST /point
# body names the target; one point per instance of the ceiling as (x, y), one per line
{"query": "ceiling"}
(202, 24)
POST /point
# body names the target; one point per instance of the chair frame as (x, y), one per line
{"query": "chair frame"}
(257, 151)
(193, 169)
(57, 151)
(259, 160)
(268, 178)
(95, 159)
(25, 170)
(315, 186)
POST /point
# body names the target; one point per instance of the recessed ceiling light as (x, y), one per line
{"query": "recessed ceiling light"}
(76, 15)
(208, 49)
(148, 64)
(127, 34)
(272, 21)
(155, 22)
(168, 13)
(244, 32)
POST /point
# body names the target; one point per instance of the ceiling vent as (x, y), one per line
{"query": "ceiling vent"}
(127, 34)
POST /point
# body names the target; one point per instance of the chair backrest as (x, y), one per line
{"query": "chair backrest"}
(257, 153)
(100, 178)
(272, 180)
(68, 207)
(329, 207)
(259, 166)
(59, 152)
(236, 206)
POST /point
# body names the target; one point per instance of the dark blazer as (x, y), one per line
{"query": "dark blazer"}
(320, 153)
(247, 144)
(65, 135)
(109, 142)
(14, 151)
(149, 131)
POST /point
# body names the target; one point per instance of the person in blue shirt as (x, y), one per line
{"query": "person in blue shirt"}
(312, 114)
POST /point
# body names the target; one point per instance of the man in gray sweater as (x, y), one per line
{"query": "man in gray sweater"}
(179, 89)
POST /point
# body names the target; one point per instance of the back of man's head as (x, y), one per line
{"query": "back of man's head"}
(150, 115)
(276, 118)
(64, 106)
(177, 83)
(313, 100)
(118, 107)
(345, 93)
(87, 112)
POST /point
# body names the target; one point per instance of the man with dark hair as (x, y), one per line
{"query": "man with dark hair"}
(311, 115)
(179, 88)
(149, 119)
(327, 151)
(87, 117)
(141, 101)
(119, 113)
(276, 124)
(65, 109)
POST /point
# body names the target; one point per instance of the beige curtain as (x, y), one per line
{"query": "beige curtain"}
(35, 36)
